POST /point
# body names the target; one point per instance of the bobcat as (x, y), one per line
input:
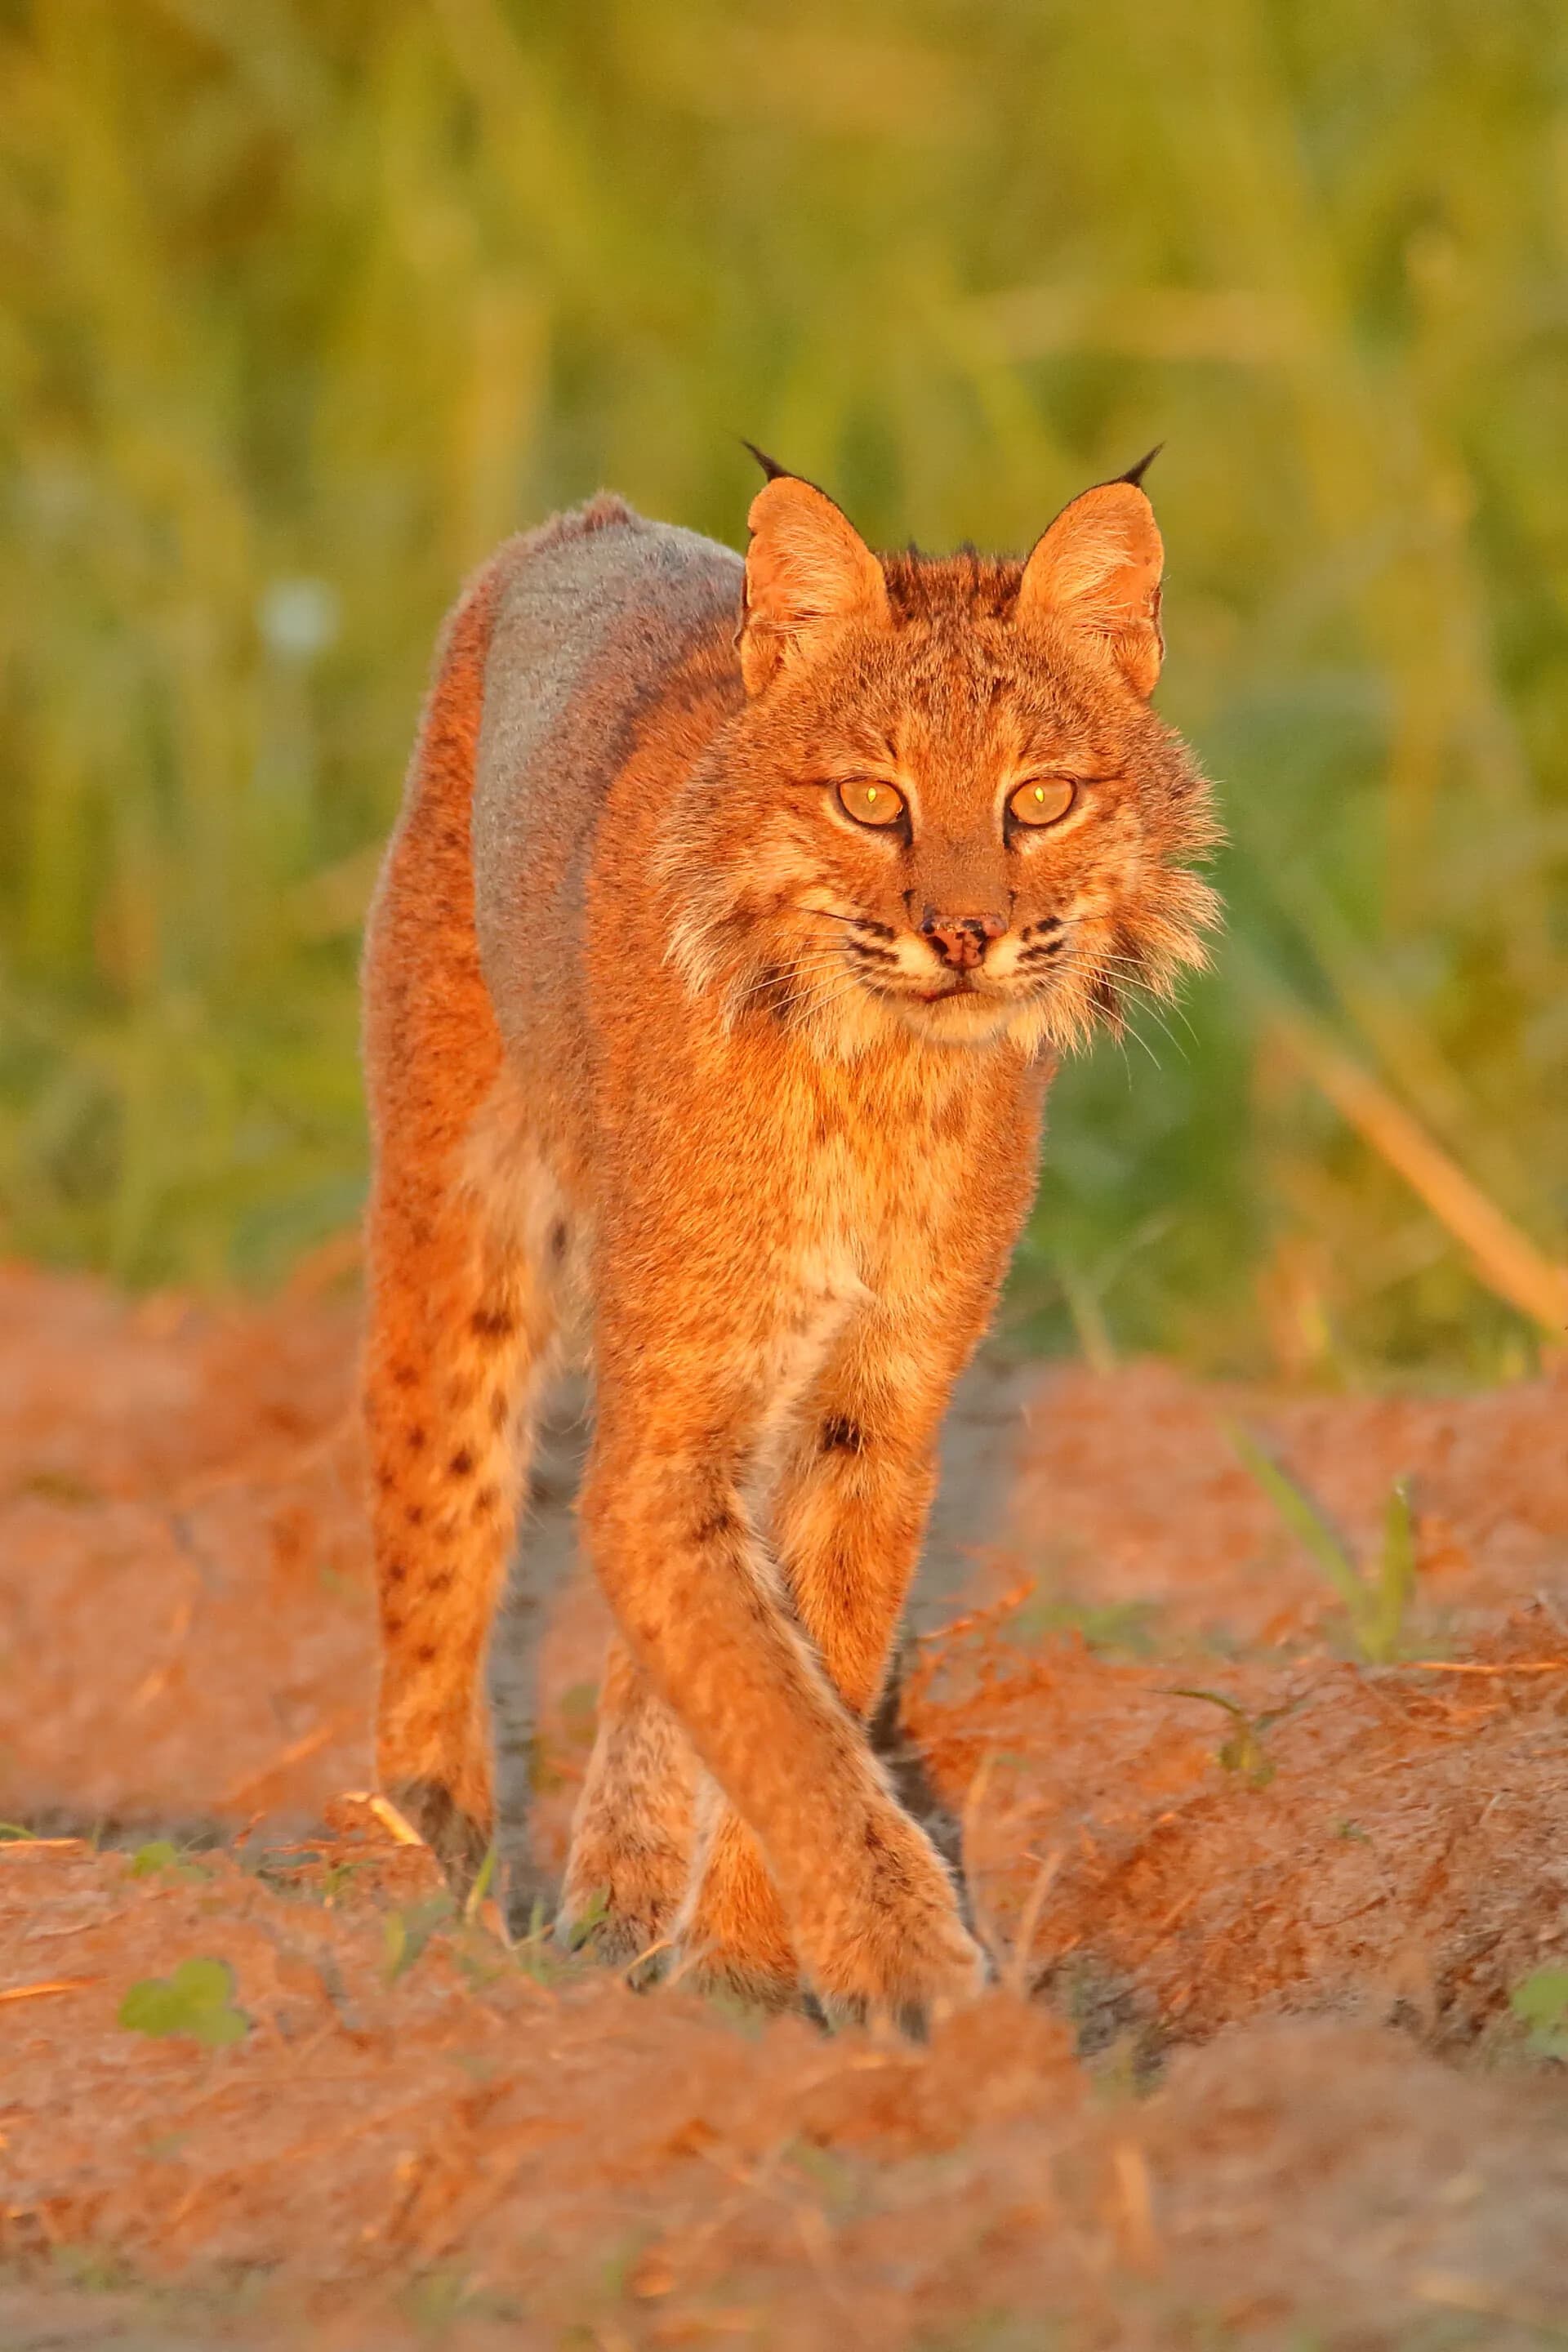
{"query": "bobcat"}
(711, 989)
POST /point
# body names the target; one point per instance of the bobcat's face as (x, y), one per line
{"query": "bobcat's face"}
(946, 804)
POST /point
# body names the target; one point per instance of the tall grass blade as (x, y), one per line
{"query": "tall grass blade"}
(1396, 1571)
(1304, 1520)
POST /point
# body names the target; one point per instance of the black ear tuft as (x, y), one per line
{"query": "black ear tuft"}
(1135, 474)
(770, 466)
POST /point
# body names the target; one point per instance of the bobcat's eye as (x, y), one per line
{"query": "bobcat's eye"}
(870, 804)
(1042, 800)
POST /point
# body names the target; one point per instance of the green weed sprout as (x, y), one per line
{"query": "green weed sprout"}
(1242, 1750)
(1541, 2002)
(196, 2001)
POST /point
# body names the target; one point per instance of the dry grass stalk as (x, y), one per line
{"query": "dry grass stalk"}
(54, 1985)
(1506, 1260)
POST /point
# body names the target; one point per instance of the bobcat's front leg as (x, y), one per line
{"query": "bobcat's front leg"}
(869, 1906)
(849, 1517)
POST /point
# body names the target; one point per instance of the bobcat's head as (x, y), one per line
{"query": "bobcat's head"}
(946, 805)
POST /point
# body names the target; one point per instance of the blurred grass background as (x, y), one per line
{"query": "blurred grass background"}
(307, 302)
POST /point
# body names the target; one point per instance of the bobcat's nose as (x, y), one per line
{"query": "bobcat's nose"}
(960, 939)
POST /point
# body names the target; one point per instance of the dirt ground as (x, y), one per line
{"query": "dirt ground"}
(1254, 2073)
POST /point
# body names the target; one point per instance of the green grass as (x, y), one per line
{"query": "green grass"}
(196, 2001)
(1541, 2002)
(1376, 1598)
(1126, 1629)
(306, 305)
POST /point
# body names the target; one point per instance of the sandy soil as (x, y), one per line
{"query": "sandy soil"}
(1252, 2075)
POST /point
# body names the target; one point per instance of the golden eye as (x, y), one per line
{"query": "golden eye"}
(871, 803)
(1043, 800)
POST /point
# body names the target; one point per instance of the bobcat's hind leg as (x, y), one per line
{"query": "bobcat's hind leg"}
(461, 1329)
(632, 1832)
(455, 1320)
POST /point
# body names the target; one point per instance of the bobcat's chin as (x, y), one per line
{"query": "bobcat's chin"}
(962, 1015)
(969, 1015)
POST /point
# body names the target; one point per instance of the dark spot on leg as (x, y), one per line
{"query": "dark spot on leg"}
(720, 1522)
(441, 1581)
(841, 1436)
(461, 1463)
(558, 1238)
(492, 1323)
(415, 1515)
(404, 1376)
(487, 1500)
(426, 1653)
(394, 1572)
(501, 1409)
(414, 1438)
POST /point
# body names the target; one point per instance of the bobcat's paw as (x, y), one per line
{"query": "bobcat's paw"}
(458, 1841)
(890, 1943)
(620, 1899)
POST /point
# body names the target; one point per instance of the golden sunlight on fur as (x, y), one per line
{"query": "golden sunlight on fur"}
(712, 988)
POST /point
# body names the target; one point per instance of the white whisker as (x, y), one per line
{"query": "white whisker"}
(1142, 1041)
(1138, 991)
(785, 974)
(816, 1004)
(1144, 1004)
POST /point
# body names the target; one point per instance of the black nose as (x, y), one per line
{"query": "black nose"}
(960, 939)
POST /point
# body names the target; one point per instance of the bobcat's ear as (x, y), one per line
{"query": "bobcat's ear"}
(807, 568)
(1098, 569)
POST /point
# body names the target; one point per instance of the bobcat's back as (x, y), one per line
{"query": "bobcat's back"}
(592, 614)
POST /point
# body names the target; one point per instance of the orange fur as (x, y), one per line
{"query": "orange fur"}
(747, 1094)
